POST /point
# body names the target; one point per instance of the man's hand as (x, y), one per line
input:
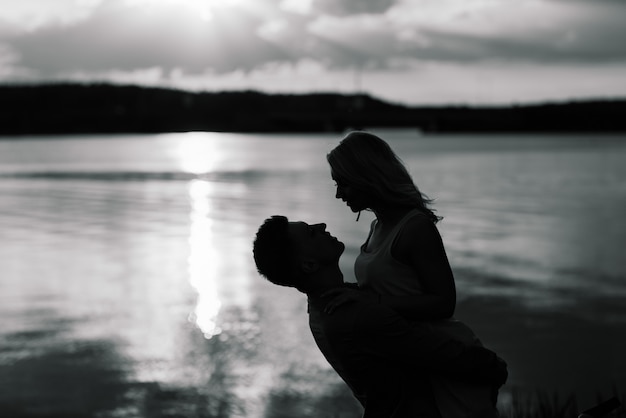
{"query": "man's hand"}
(344, 295)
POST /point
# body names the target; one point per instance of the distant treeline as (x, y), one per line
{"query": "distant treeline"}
(105, 108)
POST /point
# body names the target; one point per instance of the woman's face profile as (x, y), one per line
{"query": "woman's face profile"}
(356, 199)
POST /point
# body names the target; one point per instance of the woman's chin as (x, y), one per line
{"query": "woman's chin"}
(356, 209)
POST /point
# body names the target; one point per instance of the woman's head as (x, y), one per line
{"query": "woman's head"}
(369, 175)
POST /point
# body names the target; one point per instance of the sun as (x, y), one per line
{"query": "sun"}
(203, 9)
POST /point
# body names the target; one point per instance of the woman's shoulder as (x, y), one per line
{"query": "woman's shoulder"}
(417, 227)
(418, 221)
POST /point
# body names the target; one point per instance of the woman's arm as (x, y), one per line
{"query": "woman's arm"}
(420, 246)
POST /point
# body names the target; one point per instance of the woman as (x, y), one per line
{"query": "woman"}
(403, 259)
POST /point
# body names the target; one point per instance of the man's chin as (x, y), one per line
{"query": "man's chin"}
(340, 249)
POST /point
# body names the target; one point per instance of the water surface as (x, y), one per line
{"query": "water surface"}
(128, 286)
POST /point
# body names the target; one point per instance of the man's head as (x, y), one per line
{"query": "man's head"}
(287, 253)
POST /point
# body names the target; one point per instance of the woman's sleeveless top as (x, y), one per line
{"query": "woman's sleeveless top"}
(377, 270)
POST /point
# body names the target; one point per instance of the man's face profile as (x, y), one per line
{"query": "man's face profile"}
(314, 243)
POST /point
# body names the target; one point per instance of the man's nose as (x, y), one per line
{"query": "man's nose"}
(321, 226)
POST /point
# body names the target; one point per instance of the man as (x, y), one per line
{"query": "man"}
(385, 360)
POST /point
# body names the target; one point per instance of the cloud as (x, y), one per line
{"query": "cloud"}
(303, 7)
(30, 15)
(352, 7)
(231, 40)
(527, 31)
(126, 38)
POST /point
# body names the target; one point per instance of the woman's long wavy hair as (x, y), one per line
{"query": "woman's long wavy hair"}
(366, 163)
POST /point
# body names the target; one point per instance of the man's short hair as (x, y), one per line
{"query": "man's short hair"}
(273, 251)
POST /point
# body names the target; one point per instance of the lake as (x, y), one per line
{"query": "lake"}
(128, 287)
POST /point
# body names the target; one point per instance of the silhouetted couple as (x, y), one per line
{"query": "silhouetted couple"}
(392, 337)
(387, 361)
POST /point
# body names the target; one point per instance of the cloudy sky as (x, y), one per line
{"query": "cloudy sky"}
(406, 51)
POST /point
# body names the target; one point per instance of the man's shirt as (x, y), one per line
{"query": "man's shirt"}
(366, 343)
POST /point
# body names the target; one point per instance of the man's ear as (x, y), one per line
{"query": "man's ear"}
(309, 265)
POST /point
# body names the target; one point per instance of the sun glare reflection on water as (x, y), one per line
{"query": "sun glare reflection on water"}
(203, 153)
(203, 256)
